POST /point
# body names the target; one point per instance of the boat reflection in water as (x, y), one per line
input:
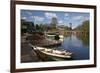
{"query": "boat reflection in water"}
(51, 53)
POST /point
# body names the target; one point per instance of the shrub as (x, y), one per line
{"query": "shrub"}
(57, 37)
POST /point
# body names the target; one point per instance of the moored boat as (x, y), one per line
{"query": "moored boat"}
(53, 52)
(52, 36)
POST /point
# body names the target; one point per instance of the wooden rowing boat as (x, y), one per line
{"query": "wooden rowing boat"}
(53, 52)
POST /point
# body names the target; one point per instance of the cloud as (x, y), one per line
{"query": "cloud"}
(60, 22)
(49, 15)
(80, 18)
(77, 17)
(38, 18)
(29, 13)
(86, 18)
(66, 14)
(24, 18)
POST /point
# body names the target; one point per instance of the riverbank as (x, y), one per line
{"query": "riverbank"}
(28, 54)
(44, 42)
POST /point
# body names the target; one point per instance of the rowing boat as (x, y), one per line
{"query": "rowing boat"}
(53, 52)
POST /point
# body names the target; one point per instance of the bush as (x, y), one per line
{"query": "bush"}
(57, 37)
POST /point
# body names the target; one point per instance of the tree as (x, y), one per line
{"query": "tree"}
(84, 27)
(57, 37)
(26, 26)
(37, 27)
(54, 22)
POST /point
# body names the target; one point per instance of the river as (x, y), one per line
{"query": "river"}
(78, 46)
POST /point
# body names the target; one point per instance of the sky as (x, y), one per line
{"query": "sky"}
(63, 18)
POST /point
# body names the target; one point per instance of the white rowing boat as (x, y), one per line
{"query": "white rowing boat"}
(54, 52)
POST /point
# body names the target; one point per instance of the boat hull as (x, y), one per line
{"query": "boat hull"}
(46, 56)
(45, 53)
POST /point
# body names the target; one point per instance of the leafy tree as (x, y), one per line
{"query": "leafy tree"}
(84, 27)
(67, 28)
(57, 37)
(54, 22)
(26, 26)
(37, 27)
(84, 36)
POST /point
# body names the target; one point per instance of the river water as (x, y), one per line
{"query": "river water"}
(78, 46)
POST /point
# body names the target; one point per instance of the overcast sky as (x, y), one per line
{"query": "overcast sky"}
(64, 18)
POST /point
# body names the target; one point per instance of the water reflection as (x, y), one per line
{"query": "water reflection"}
(78, 44)
(84, 38)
